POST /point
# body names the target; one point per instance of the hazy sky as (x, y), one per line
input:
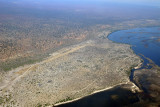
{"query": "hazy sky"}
(145, 2)
(140, 2)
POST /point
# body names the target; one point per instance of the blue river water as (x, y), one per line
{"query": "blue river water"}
(145, 42)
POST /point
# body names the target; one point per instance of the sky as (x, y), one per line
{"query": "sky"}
(138, 2)
(141, 2)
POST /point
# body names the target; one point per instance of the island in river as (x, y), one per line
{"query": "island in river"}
(80, 70)
(145, 43)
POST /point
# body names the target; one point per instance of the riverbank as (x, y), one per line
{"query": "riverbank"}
(145, 79)
(115, 96)
(128, 85)
(144, 43)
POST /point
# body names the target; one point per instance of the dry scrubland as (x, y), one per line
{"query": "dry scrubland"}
(25, 39)
(69, 73)
(73, 71)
